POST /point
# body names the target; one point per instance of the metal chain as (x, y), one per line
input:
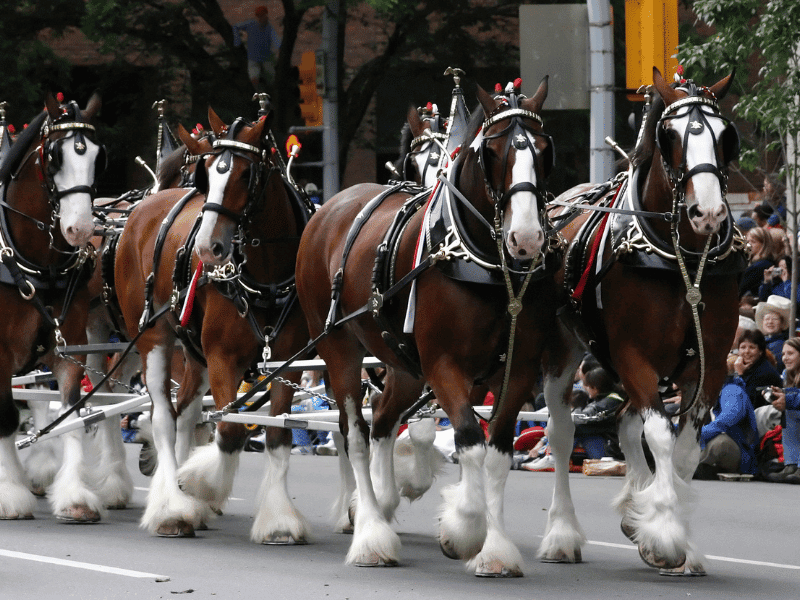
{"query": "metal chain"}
(73, 360)
(299, 388)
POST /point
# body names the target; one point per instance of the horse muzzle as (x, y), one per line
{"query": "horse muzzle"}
(707, 221)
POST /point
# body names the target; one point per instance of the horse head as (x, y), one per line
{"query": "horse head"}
(516, 157)
(231, 177)
(177, 169)
(421, 163)
(696, 144)
(71, 160)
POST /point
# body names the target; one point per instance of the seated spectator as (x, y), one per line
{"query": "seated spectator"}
(772, 318)
(754, 368)
(787, 401)
(761, 257)
(729, 442)
(596, 424)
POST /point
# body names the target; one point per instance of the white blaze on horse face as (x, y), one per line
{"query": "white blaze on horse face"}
(522, 230)
(75, 212)
(211, 247)
(704, 201)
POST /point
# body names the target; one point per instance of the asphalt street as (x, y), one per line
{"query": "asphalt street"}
(748, 530)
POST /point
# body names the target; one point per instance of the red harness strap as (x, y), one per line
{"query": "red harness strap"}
(186, 313)
(577, 295)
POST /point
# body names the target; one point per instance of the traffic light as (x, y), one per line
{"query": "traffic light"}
(311, 101)
(651, 40)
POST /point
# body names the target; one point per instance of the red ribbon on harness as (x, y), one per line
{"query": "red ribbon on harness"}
(581, 287)
(186, 313)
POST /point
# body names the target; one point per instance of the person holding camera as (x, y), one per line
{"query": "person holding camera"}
(728, 443)
(787, 401)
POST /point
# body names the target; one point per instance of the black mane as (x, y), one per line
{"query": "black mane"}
(19, 148)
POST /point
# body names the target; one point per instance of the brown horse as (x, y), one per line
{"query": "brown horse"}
(461, 320)
(247, 238)
(654, 295)
(46, 222)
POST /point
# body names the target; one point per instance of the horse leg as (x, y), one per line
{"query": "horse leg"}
(73, 495)
(462, 519)
(16, 500)
(401, 391)
(210, 470)
(42, 461)
(656, 510)
(374, 542)
(637, 471)
(342, 512)
(170, 512)
(686, 458)
(416, 460)
(563, 536)
(278, 520)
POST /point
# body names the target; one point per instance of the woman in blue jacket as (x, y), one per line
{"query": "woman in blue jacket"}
(729, 441)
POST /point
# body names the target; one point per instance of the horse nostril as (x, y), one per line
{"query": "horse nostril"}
(522, 252)
(694, 212)
(216, 249)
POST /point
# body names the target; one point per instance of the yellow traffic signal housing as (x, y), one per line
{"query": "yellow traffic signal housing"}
(311, 102)
(651, 40)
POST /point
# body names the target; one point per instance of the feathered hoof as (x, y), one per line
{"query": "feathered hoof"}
(685, 570)
(175, 529)
(651, 559)
(216, 510)
(39, 491)
(79, 514)
(375, 561)
(561, 557)
(119, 505)
(496, 569)
(283, 538)
(627, 530)
(202, 526)
(448, 550)
(17, 517)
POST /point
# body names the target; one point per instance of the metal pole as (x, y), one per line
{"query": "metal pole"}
(330, 104)
(601, 90)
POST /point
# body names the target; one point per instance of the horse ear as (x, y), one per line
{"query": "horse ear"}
(261, 125)
(92, 107)
(191, 144)
(721, 88)
(541, 94)
(414, 121)
(668, 95)
(487, 102)
(217, 126)
(52, 106)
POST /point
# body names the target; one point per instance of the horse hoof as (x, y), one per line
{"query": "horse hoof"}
(148, 459)
(202, 527)
(685, 570)
(561, 557)
(497, 569)
(79, 514)
(283, 539)
(39, 491)
(657, 562)
(375, 561)
(117, 506)
(216, 511)
(17, 517)
(627, 530)
(175, 529)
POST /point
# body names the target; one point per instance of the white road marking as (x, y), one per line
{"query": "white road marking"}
(743, 561)
(144, 489)
(82, 565)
